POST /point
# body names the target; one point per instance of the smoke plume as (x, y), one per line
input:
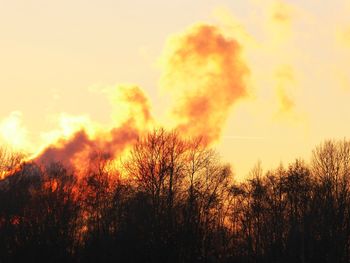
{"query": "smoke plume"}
(81, 147)
(205, 75)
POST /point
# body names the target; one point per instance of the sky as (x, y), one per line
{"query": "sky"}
(63, 62)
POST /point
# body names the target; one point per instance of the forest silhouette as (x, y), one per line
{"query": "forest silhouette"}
(173, 200)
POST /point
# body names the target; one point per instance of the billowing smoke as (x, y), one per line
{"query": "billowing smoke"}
(205, 74)
(130, 103)
(81, 147)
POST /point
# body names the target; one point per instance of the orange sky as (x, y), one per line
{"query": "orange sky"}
(63, 64)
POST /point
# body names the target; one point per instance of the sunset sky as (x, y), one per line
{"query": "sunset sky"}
(63, 64)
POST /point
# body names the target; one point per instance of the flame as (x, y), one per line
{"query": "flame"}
(204, 72)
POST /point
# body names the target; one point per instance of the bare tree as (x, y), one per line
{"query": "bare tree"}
(9, 160)
(331, 167)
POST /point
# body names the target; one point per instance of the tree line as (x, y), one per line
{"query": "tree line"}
(174, 200)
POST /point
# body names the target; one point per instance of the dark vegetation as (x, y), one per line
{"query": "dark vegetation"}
(172, 200)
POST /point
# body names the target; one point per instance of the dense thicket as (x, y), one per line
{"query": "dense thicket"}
(172, 200)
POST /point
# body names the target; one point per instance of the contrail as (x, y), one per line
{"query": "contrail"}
(243, 137)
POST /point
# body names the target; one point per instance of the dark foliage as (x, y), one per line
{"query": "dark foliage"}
(174, 201)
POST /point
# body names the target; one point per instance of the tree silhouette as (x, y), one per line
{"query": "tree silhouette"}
(173, 200)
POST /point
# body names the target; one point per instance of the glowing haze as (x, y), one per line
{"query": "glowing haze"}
(259, 80)
(204, 72)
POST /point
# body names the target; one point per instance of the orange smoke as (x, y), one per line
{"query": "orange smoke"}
(205, 74)
(81, 147)
(136, 97)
